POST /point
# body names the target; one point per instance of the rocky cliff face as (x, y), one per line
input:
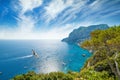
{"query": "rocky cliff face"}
(83, 33)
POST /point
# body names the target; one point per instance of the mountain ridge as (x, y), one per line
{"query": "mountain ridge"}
(82, 33)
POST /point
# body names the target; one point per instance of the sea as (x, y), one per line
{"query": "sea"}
(16, 57)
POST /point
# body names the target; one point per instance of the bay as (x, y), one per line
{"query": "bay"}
(16, 57)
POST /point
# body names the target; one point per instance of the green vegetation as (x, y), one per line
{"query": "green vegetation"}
(104, 64)
(50, 76)
(105, 45)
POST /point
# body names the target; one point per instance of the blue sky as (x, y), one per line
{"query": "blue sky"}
(53, 19)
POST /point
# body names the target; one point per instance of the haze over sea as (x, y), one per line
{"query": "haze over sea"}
(16, 57)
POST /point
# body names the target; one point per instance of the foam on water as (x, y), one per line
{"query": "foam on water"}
(17, 58)
(27, 56)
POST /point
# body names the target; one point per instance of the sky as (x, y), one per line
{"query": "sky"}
(53, 19)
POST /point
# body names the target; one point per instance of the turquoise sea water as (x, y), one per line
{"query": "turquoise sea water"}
(16, 57)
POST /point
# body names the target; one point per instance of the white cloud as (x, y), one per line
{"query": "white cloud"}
(58, 32)
(100, 9)
(54, 33)
(29, 4)
(55, 7)
(76, 7)
(27, 23)
(72, 8)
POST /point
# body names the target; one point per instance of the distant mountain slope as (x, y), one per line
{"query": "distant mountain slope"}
(82, 33)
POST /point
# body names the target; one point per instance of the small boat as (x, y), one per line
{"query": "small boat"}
(25, 67)
(63, 63)
(83, 55)
(34, 53)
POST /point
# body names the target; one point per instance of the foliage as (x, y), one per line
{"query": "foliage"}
(49, 76)
(91, 74)
(105, 45)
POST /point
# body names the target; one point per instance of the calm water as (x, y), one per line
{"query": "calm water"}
(16, 57)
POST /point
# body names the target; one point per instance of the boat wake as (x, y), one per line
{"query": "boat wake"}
(23, 57)
(17, 58)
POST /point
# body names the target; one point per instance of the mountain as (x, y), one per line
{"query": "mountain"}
(83, 33)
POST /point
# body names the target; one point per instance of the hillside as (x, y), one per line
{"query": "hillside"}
(83, 33)
(105, 45)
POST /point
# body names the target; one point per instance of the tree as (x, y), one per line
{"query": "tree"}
(109, 41)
